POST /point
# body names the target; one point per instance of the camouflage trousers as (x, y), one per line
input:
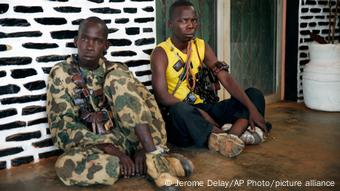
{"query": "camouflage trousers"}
(131, 104)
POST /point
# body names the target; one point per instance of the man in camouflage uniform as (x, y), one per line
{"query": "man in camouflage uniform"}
(105, 120)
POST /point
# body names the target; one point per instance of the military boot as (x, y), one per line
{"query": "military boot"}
(227, 144)
(159, 170)
(179, 165)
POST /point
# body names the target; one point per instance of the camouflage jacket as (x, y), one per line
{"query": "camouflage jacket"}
(67, 128)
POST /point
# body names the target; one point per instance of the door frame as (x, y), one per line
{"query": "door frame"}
(223, 45)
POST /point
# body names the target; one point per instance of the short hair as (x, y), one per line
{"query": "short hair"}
(176, 4)
(94, 20)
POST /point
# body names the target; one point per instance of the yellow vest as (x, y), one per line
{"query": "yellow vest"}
(172, 76)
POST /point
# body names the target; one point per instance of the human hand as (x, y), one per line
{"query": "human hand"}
(140, 163)
(127, 167)
(255, 118)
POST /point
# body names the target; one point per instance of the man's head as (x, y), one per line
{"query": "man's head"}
(182, 20)
(91, 40)
(176, 5)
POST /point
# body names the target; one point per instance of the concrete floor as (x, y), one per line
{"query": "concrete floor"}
(304, 146)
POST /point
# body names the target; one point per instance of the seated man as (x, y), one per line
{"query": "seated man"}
(106, 121)
(175, 64)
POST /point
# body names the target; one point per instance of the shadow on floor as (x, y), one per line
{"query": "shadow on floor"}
(303, 147)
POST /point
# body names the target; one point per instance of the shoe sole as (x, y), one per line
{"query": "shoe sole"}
(225, 144)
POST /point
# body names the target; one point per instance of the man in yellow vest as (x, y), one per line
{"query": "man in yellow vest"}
(175, 65)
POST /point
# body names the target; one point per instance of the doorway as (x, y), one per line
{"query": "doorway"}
(253, 44)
